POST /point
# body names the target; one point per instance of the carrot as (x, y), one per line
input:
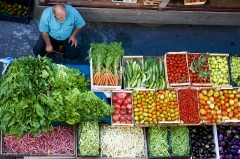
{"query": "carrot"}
(106, 82)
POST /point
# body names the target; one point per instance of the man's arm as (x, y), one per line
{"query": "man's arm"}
(73, 38)
(49, 47)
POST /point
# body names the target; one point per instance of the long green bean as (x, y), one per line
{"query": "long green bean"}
(179, 137)
(158, 141)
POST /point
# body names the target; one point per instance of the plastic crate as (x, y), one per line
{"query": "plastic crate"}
(16, 18)
(148, 145)
(213, 139)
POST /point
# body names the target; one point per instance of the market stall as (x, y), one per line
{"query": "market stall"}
(180, 105)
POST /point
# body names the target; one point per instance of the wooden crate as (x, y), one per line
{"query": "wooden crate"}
(49, 154)
(129, 93)
(103, 87)
(215, 107)
(223, 55)
(126, 1)
(198, 2)
(234, 120)
(78, 142)
(172, 85)
(182, 122)
(145, 156)
(151, 2)
(167, 123)
(157, 79)
(127, 59)
(138, 123)
(198, 84)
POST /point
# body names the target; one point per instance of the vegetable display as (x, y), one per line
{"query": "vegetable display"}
(219, 70)
(144, 107)
(235, 71)
(230, 104)
(58, 141)
(89, 138)
(198, 68)
(154, 72)
(202, 140)
(167, 105)
(133, 74)
(180, 141)
(14, 9)
(228, 141)
(127, 142)
(158, 142)
(177, 70)
(106, 63)
(123, 108)
(36, 92)
(188, 106)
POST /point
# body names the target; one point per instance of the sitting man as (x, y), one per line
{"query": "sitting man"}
(59, 26)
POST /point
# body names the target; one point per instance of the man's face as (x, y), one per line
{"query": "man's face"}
(60, 15)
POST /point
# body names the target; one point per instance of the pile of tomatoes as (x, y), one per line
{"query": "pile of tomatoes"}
(188, 106)
(177, 70)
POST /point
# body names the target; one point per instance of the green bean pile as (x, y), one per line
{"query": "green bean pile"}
(179, 138)
(158, 141)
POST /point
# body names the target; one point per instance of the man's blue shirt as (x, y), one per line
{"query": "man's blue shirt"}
(60, 31)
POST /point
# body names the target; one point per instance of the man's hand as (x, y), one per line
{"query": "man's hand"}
(73, 40)
(49, 48)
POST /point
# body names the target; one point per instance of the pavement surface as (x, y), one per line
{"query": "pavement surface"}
(17, 40)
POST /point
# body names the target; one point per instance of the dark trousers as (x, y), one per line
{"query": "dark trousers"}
(68, 50)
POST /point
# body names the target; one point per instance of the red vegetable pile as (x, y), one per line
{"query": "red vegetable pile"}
(58, 141)
(177, 69)
(188, 106)
(123, 108)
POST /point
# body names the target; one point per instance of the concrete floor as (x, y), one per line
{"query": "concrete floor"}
(17, 39)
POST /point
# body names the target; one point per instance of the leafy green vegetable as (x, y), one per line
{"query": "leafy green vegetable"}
(36, 92)
(89, 142)
(199, 66)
